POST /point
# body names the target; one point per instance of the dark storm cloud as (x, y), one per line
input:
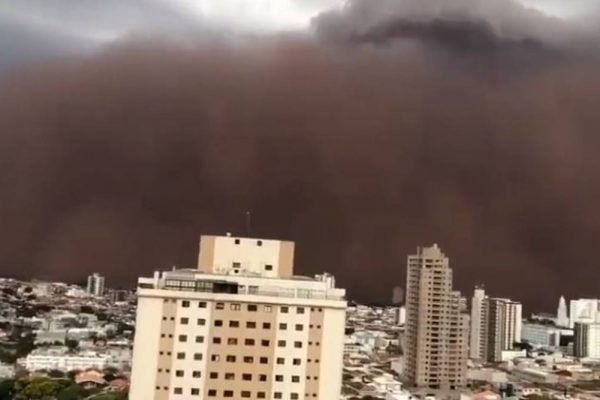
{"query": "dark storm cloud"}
(459, 24)
(117, 162)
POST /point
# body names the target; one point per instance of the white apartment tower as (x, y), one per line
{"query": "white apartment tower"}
(95, 284)
(479, 325)
(436, 323)
(495, 326)
(562, 319)
(240, 326)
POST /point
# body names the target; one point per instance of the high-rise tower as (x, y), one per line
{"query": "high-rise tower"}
(436, 325)
(562, 319)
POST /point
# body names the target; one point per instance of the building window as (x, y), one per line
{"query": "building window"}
(216, 340)
(201, 304)
(248, 359)
(230, 358)
(259, 242)
(294, 396)
(280, 360)
(298, 345)
(266, 325)
(184, 321)
(214, 375)
(220, 306)
(249, 342)
(236, 306)
(278, 378)
(195, 391)
(295, 378)
(236, 241)
(264, 360)
(183, 338)
(232, 341)
(178, 390)
(214, 357)
(245, 394)
(296, 361)
(299, 327)
(247, 377)
(201, 322)
(281, 343)
(229, 376)
(181, 356)
(179, 373)
(197, 356)
(268, 309)
(228, 393)
(282, 326)
(252, 307)
(265, 342)
(196, 374)
(262, 377)
(268, 267)
(261, 395)
(218, 322)
(212, 393)
(299, 310)
(284, 309)
(185, 304)
(199, 339)
(250, 324)
(277, 395)
(234, 324)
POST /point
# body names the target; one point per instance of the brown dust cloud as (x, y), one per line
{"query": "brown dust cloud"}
(360, 140)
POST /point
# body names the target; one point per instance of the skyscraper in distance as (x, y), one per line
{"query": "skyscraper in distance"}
(436, 323)
(95, 284)
(562, 319)
(495, 326)
(398, 295)
(241, 325)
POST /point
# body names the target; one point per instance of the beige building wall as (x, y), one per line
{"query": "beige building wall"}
(143, 374)
(235, 255)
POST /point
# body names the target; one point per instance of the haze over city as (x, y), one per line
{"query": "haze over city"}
(360, 131)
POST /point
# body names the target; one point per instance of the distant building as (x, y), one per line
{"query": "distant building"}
(587, 340)
(583, 310)
(495, 326)
(436, 323)
(59, 359)
(398, 295)
(242, 325)
(95, 285)
(546, 335)
(562, 318)
(400, 315)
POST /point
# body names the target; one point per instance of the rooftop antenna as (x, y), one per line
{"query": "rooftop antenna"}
(248, 223)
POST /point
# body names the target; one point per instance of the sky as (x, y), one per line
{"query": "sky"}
(359, 130)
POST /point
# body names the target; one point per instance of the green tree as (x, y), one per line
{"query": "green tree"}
(41, 388)
(73, 392)
(7, 389)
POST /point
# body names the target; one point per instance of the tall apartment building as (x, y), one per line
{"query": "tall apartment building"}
(587, 340)
(436, 323)
(95, 284)
(240, 326)
(495, 326)
(479, 325)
